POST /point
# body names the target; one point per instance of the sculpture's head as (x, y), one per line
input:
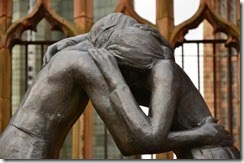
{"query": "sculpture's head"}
(131, 45)
(135, 47)
(101, 30)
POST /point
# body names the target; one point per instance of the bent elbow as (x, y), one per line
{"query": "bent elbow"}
(155, 136)
(153, 143)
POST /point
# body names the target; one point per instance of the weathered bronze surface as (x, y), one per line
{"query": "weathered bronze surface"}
(119, 65)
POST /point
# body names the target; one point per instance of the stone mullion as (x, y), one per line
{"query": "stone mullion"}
(165, 17)
(238, 12)
(5, 63)
(238, 143)
(83, 15)
(82, 130)
(5, 87)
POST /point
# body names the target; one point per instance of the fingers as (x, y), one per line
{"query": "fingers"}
(98, 54)
(95, 55)
(227, 141)
(211, 120)
(108, 67)
(65, 43)
(109, 57)
(208, 119)
(61, 46)
(51, 50)
(221, 129)
(102, 54)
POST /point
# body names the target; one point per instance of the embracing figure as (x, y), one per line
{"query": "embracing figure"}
(119, 65)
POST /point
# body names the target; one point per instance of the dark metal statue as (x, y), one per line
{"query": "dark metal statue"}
(119, 65)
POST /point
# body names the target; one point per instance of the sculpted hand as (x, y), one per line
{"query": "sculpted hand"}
(54, 48)
(215, 134)
(108, 66)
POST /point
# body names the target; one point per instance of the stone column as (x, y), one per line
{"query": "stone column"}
(5, 87)
(82, 130)
(165, 17)
(5, 64)
(83, 15)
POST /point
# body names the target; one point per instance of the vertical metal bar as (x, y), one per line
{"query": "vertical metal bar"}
(229, 93)
(214, 79)
(198, 66)
(182, 56)
(87, 130)
(105, 143)
(26, 66)
(228, 9)
(42, 53)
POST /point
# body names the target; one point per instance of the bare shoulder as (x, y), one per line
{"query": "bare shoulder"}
(69, 60)
(82, 65)
(72, 57)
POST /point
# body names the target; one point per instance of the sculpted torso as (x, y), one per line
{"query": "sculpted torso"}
(50, 107)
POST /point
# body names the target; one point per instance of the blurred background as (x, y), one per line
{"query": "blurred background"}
(205, 35)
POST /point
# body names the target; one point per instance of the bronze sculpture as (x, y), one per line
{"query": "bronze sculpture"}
(143, 72)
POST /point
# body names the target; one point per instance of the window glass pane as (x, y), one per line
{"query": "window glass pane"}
(146, 9)
(18, 76)
(103, 8)
(66, 150)
(98, 137)
(184, 10)
(63, 8)
(20, 9)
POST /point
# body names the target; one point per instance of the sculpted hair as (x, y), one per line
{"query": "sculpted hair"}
(135, 47)
(130, 44)
(101, 30)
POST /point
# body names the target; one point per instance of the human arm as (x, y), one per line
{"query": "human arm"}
(54, 48)
(153, 131)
